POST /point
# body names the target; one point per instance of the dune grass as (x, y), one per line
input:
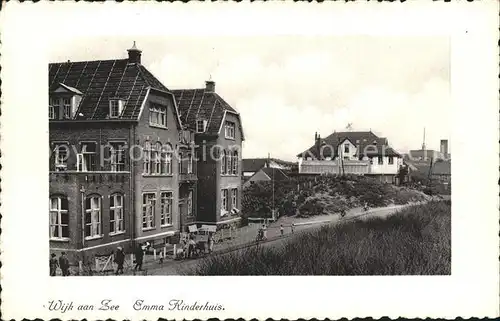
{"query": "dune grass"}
(414, 241)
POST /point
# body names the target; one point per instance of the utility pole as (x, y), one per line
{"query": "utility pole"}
(430, 174)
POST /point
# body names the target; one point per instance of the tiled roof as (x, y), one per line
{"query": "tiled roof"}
(254, 164)
(358, 139)
(197, 104)
(275, 173)
(104, 79)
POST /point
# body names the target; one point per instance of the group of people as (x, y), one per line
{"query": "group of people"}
(191, 247)
(262, 231)
(138, 258)
(61, 263)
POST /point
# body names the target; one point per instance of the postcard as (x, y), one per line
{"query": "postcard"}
(249, 160)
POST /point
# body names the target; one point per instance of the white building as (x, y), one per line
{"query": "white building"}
(359, 153)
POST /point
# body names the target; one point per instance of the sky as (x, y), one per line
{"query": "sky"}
(286, 88)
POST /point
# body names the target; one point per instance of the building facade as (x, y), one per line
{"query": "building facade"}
(358, 153)
(122, 168)
(218, 136)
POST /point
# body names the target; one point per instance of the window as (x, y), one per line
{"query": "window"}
(158, 115)
(380, 160)
(229, 163)
(371, 160)
(229, 128)
(190, 164)
(67, 108)
(148, 210)
(190, 204)
(181, 164)
(53, 108)
(59, 218)
(235, 163)
(166, 208)
(87, 159)
(117, 156)
(391, 160)
(116, 213)
(167, 152)
(224, 205)
(234, 198)
(223, 162)
(115, 108)
(93, 217)
(147, 158)
(346, 148)
(156, 165)
(61, 152)
(201, 126)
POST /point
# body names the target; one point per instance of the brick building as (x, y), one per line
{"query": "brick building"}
(218, 135)
(122, 166)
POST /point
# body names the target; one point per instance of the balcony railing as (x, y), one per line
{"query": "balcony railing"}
(89, 177)
(334, 167)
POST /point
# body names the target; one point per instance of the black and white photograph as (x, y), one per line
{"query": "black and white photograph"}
(296, 155)
(249, 160)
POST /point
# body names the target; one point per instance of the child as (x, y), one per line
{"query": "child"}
(53, 264)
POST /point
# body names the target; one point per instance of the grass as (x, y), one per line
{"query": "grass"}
(415, 241)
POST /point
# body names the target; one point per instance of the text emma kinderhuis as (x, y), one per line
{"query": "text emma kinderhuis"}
(138, 305)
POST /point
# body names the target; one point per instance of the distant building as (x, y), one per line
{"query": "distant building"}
(267, 174)
(351, 152)
(253, 165)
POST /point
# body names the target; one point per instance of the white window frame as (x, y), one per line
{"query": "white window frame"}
(234, 198)
(52, 112)
(54, 105)
(95, 220)
(229, 163)
(146, 170)
(61, 163)
(190, 164)
(346, 148)
(148, 202)
(223, 168)
(201, 126)
(117, 157)
(158, 115)
(190, 212)
(230, 129)
(115, 108)
(167, 152)
(391, 160)
(116, 222)
(380, 160)
(224, 202)
(235, 163)
(67, 104)
(59, 212)
(82, 165)
(166, 205)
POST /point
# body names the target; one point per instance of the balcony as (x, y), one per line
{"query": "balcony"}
(69, 177)
(355, 167)
(187, 177)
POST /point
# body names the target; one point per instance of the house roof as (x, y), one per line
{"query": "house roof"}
(200, 104)
(254, 164)
(275, 173)
(101, 80)
(438, 168)
(367, 142)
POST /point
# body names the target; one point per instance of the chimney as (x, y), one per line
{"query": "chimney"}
(210, 86)
(134, 55)
(318, 146)
(444, 148)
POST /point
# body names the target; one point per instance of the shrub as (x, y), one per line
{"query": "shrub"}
(415, 241)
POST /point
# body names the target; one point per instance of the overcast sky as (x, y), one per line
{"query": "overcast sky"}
(287, 88)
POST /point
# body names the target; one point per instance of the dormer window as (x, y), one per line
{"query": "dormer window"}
(62, 107)
(158, 115)
(201, 126)
(115, 108)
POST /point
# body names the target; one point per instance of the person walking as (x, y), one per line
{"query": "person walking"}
(293, 228)
(139, 256)
(282, 230)
(211, 243)
(192, 247)
(64, 264)
(53, 264)
(119, 260)
(264, 232)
